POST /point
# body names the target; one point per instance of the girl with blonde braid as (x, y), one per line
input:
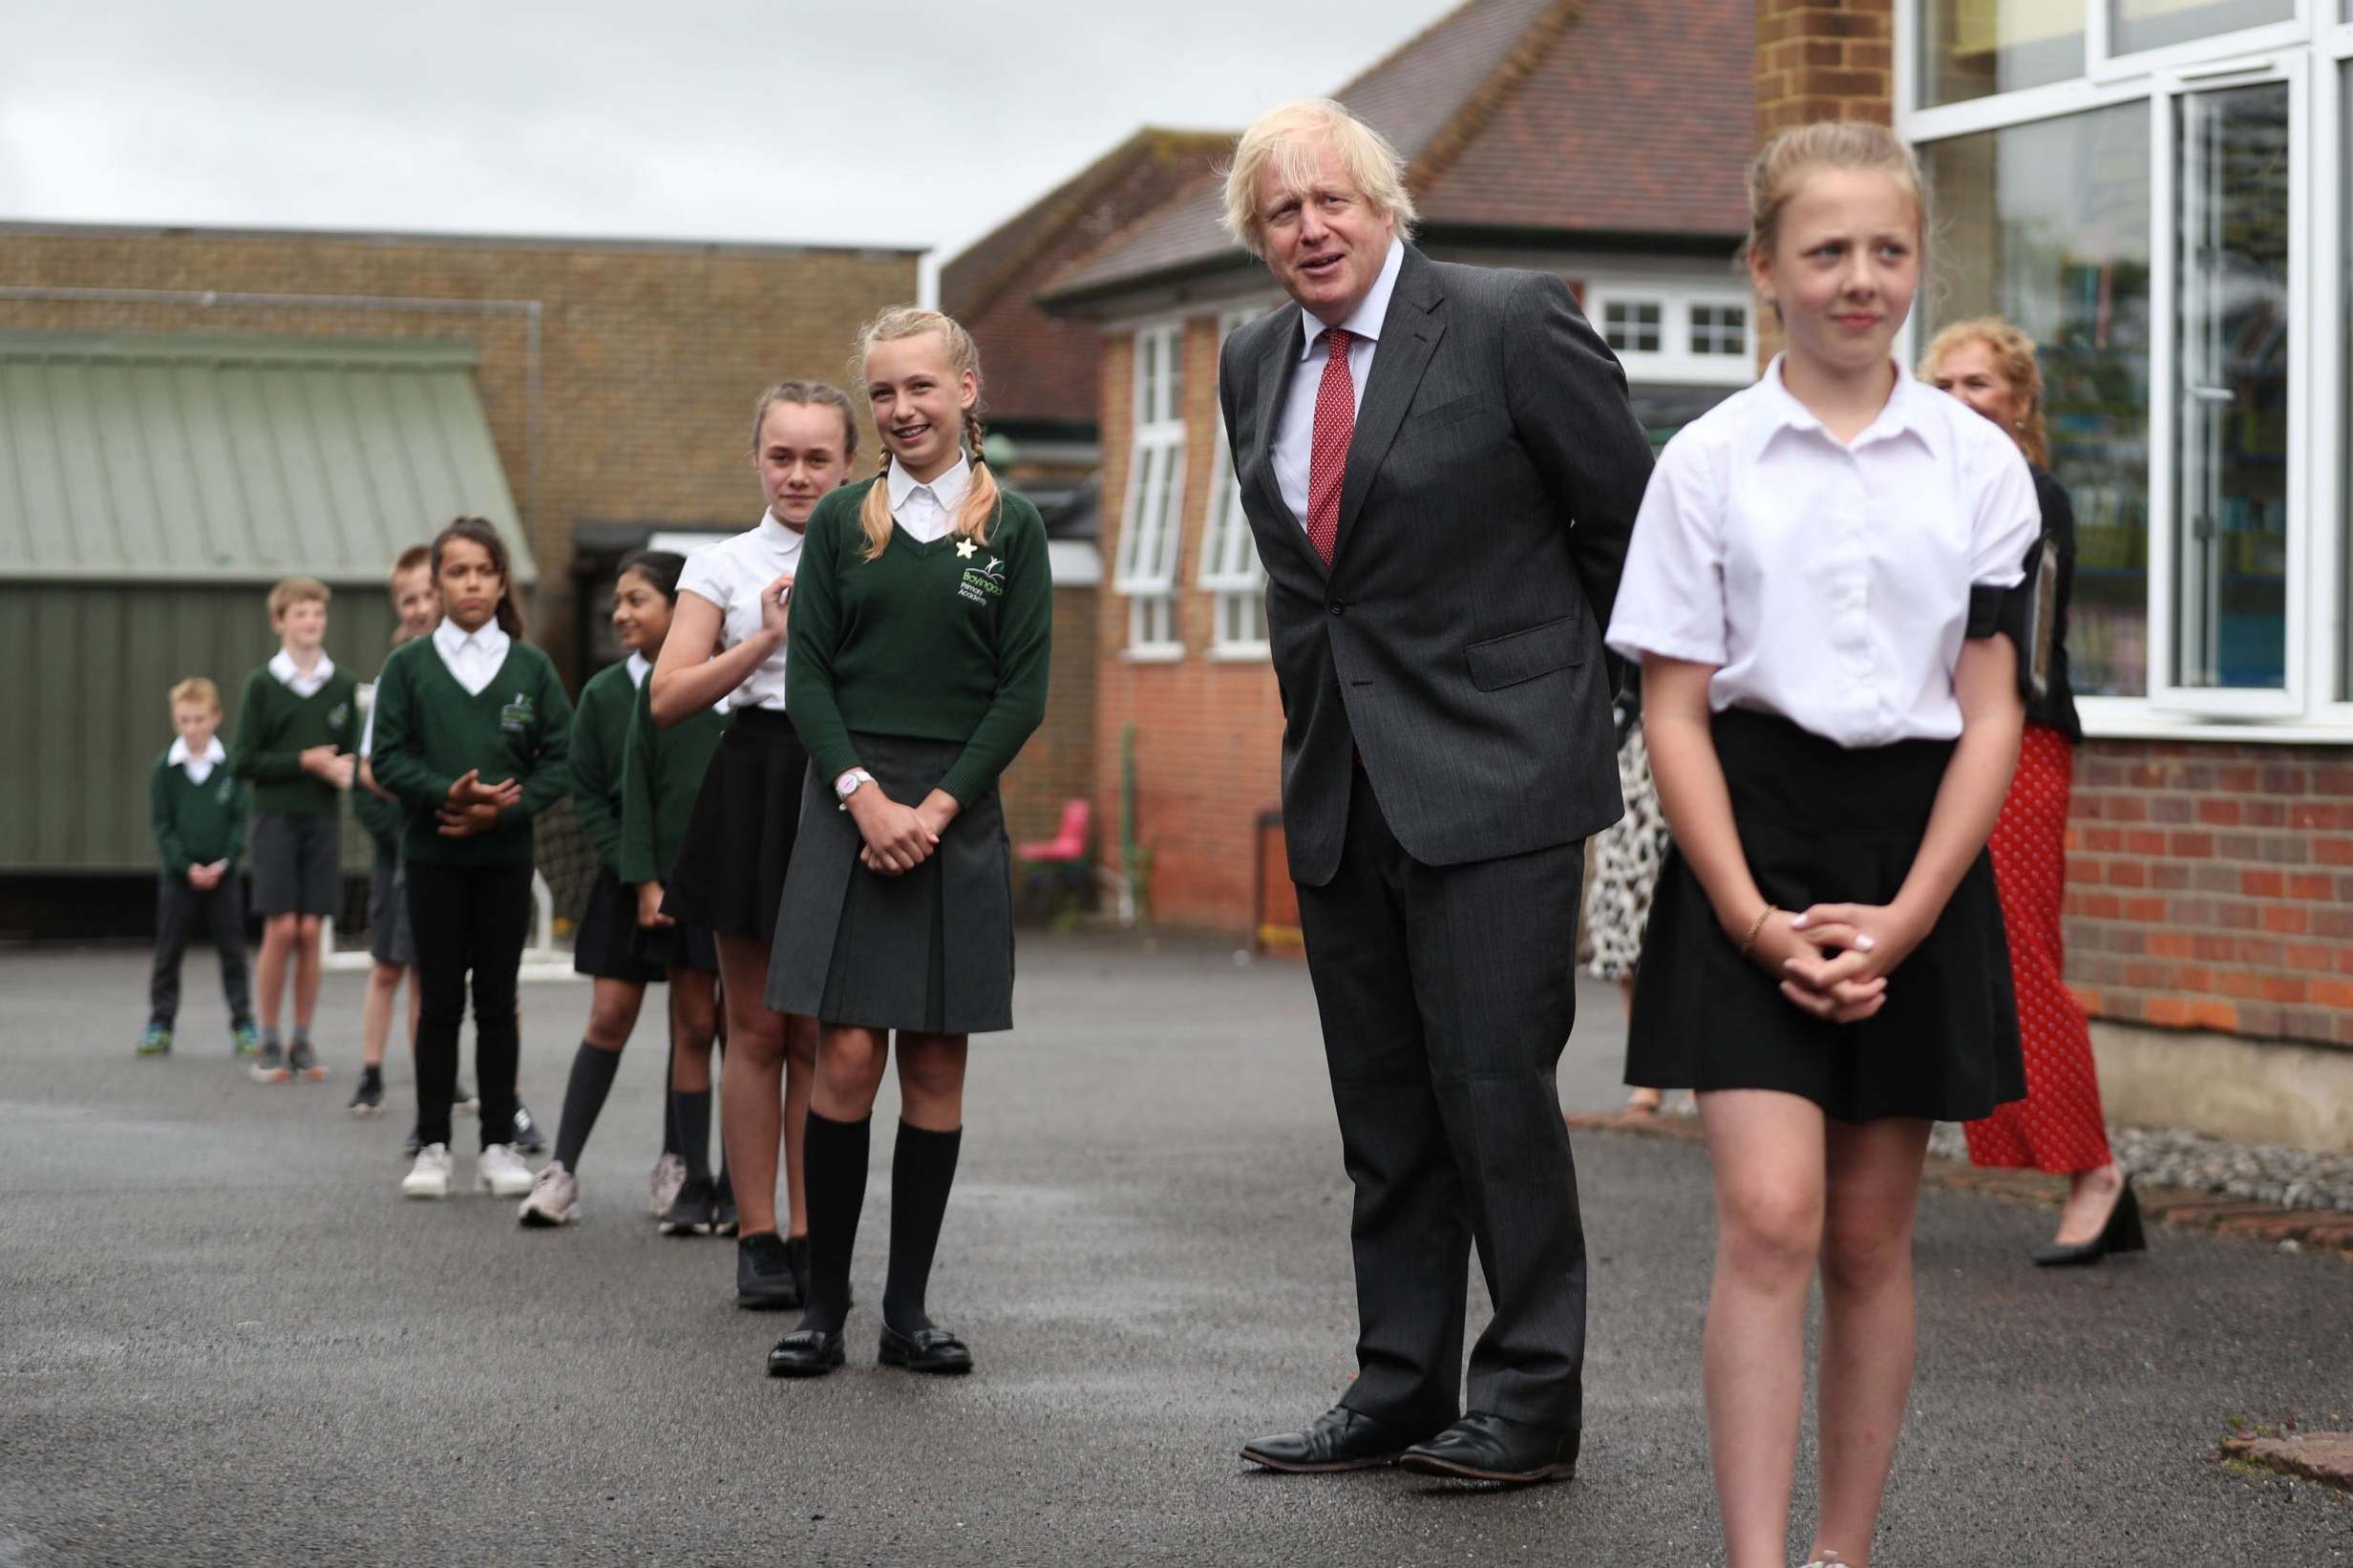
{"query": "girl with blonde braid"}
(917, 669)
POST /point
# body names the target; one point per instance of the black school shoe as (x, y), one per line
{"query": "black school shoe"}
(806, 1352)
(368, 1099)
(927, 1350)
(766, 1280)
(689, 1213)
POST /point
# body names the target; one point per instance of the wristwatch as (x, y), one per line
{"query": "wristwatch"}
(848, 785)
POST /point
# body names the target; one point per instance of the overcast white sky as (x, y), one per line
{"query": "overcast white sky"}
(916, 123)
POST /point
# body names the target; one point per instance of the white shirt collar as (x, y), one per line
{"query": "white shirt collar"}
(489, 639)
(638, 666)
(214, 751)
(772, 529)
(948, 489)
(282, 666)
(1911, 409)
(1364, 321)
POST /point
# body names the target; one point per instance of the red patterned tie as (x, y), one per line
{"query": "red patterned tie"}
(1328, 461)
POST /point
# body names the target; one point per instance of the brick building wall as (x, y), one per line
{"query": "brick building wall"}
(650, 354)
(1208, 732)
(2211, 886)
(1058, 763)
(1824, 59)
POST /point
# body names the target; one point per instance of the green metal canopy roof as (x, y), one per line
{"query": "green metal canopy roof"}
(155, 458)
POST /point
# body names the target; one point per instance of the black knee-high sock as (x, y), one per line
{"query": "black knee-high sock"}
(834, 1164)
(583, 1097)
(669, 1119)
(690, 1109)
(923, 1170)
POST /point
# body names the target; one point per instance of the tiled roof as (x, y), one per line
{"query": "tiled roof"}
(1039, 368)
(1600, 116)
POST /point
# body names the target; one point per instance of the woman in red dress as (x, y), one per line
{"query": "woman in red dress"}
(1989, 365)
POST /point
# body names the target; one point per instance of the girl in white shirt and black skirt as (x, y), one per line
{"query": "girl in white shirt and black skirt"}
(1812, 589)
(728, 639)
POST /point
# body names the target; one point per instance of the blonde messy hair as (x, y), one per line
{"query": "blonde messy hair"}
(196, 689)
(297, 590)
(1286, 140)
(1780, 168)
(2013, 356)
(979, 511)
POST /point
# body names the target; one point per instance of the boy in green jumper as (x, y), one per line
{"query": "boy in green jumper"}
(297, 733)
(198, 811)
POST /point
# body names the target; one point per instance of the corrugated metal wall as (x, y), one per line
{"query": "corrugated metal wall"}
(84, 708)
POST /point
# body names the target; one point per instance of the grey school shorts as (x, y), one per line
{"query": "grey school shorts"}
(297, 862)
(389, 937)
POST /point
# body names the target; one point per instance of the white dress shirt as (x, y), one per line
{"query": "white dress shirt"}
(200, 768)
(303, 684)
(473, 657)
(730, 574)
(928, 510)
(1295, 429)
(1826, 582)
(639, 667)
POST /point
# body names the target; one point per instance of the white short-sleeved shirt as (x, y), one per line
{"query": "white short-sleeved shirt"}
(730, 575)
(1828, 584)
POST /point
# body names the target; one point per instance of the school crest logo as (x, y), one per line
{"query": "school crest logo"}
(225, 792)
(336, 715)
(982, 583)
(516, 717)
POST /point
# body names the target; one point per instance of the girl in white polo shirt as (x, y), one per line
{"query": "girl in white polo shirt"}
(1812, 590)
(726, 640)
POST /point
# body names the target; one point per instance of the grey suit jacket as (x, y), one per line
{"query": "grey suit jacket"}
(1456, 643)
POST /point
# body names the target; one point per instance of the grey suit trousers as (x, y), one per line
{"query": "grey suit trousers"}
(1446, 993)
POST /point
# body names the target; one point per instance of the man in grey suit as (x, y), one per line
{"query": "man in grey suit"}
(1441, 470)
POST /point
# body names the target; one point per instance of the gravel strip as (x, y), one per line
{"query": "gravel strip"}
(2294, 1178)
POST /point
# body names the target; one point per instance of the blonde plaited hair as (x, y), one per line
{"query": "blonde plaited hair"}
(1781, 165)
(1286, 141)
(2014, 361)
(979, 511)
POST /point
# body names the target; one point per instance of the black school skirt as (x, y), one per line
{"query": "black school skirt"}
(604, 948)
(1823, 824)
(930, 950)
(730, 875)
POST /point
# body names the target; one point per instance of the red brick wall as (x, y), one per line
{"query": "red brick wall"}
(2211, 886)
(1058, 764)
(1823, 59)
(1208, 734)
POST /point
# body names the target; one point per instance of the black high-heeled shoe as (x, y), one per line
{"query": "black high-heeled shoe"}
(2122, 1232)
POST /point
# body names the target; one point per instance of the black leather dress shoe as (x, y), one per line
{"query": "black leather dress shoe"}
(805, 1352)
(925, 1350)
(1338, 1439)
(1491, 1448)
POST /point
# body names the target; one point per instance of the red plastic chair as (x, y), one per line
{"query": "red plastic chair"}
(1063, 860)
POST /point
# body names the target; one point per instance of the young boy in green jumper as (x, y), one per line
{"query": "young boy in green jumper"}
(198, 811)
(297, 736)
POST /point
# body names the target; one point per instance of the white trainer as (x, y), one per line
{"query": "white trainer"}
(669, 1174)
(500, 1171)
(555, 1198)
(429, 1175)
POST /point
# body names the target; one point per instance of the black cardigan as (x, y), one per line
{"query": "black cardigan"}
(2056, 707)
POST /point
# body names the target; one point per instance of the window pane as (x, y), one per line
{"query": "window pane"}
(2047, 224)
(2135, 25)
(1719, 329)
(1147, 377)
(2231, 461)
(1973, 48)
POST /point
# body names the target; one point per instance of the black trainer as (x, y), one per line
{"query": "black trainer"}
(723, 1217)
(765, 1278)
(689, 1213)
(368, 1099)
(528, 1139)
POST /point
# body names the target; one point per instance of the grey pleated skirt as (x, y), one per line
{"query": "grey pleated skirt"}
(931, 951)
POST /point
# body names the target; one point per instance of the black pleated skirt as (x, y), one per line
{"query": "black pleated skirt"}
(1823, 824)
(604, 948)
(730, 875)
(930, 950)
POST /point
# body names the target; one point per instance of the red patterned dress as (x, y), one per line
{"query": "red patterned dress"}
(2058, 1126)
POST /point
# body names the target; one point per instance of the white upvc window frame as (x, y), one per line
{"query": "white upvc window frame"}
(1673, 361)
(1151, 520)
(2315, 702)
(1230, 569)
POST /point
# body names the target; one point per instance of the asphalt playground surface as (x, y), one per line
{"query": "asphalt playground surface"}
(225, 1339)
